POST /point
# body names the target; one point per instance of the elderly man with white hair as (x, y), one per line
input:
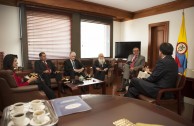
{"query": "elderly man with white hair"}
(73, 67)
(100, 68)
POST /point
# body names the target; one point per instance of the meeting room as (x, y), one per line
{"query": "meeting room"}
(96, 63)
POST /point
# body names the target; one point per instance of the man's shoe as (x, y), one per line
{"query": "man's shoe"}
(121, 90)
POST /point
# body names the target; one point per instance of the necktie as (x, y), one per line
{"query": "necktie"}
(133, 61)
(47, 67)
(73, 63)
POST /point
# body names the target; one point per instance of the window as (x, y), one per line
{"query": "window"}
(95, 39)
(49, 33)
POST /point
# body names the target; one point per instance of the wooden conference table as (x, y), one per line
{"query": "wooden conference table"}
(106, 109)
(188, 90)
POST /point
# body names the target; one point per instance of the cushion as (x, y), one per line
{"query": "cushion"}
(8, 76)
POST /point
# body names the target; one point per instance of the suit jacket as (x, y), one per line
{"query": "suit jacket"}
(97, 64)
(165, 73)
(40, 66)
(68, 65)
(139, 63)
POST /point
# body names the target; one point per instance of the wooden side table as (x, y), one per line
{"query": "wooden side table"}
(75, 88)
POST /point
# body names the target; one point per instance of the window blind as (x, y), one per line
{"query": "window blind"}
(49, 33)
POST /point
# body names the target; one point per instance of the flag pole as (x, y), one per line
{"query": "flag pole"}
(181, 56)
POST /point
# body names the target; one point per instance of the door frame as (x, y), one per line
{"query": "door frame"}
(166, 36)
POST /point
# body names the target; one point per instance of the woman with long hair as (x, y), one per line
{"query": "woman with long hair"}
(10, 63)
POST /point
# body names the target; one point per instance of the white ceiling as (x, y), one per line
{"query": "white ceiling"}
(131, 5)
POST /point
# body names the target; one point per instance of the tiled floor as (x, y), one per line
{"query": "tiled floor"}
(187, 109)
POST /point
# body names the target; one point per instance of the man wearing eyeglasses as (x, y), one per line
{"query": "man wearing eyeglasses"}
(134, 63)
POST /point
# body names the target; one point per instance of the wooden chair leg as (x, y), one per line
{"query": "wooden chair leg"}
(179, 107)
(179, 104)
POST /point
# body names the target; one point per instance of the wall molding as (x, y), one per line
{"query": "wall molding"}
(102, 10)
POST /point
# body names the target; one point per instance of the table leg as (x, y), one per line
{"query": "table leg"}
(75, 91)
(59, 88)
(103, 85)
(90, 89)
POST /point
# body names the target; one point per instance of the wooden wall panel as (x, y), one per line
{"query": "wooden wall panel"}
(82, 6)
(168, 7)
(101, 10)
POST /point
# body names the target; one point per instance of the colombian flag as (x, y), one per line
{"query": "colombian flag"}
(182, 48)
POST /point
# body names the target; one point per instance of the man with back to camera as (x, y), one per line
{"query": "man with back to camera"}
(134, 62)
(73, 67)
(164, 75)
(46, 69)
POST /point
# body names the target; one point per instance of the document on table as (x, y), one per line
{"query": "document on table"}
(69, 105)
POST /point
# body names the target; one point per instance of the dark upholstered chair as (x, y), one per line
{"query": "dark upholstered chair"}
(109, 77)
(177, 91)
(59, 67)
(10, 93)
(88, 66)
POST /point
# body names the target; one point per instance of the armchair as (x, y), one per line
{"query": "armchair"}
(177, 91)
(109, 77)
(10, 93)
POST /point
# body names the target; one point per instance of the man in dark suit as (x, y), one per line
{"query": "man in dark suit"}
(164, 75)
(73, 67)
(134, 63)
(100, 67)
(46, 69)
